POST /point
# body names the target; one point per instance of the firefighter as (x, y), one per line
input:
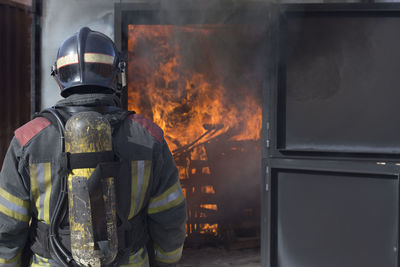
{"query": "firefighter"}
(38, 205)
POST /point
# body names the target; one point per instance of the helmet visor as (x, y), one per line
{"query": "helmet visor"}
(102, 70)
(69, 73)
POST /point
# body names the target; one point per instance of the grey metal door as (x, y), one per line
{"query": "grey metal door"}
(331, 154)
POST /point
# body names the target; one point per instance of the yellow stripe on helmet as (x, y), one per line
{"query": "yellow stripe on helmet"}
(88, 58)
(98, 58)
(67, 60)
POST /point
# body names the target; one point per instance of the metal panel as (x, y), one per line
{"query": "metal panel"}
(335, 219)
(331, 195)
(15, 24)
(314, 122)
(335, 210)
(344, 68)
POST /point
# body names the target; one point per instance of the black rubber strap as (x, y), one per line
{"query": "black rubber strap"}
(89, 160)
(96, 187)
(98, 208)
(100, 109)
(133, 238)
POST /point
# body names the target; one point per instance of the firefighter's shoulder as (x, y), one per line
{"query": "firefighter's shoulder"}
(30, 129)
(150, 126)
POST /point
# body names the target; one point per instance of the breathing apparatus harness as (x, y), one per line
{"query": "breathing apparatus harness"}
(69, 161)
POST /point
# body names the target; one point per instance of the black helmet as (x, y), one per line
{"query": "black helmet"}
(88, 62)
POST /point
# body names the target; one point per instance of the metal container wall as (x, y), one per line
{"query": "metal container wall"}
(15, 56)
(331, 177)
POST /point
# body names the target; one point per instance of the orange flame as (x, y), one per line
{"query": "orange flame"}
(180, 89)
(182, 98)
(209, 206)
(209, 228)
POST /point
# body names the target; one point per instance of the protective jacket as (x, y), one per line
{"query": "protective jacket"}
(150, 204)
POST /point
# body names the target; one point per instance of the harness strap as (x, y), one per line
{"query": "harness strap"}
(96, 188)
(132, 238)
(89, 159)
(132, 234)
(99, 109)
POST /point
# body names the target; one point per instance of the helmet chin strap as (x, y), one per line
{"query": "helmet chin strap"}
(53, 70)
(53, 73)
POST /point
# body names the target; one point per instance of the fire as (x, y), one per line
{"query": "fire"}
(209, 228)
(208, 189)
(175, 81)
(209, 206)
(186, 101)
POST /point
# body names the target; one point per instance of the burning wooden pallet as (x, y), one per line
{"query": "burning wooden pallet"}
(181, 93)
(222, 190)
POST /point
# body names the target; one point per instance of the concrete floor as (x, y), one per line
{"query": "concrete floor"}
(216, 256)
